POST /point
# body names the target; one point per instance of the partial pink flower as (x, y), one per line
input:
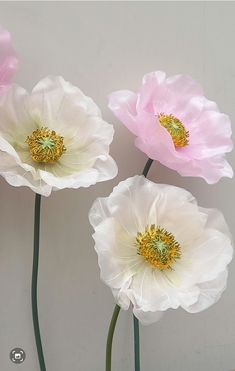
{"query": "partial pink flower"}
(8, 60)
(176, 125)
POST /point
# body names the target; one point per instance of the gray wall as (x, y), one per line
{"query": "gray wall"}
(101, 47)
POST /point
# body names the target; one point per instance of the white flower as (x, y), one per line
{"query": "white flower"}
(158, 249)
(53, 138)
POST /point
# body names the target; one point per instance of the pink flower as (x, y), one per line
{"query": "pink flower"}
(8, 60)
(176, 125)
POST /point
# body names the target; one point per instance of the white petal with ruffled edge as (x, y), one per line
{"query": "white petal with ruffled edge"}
(62, 107)
(196, 280)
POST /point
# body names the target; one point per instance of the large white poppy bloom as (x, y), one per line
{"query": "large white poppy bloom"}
(53, 138)
(158, 249)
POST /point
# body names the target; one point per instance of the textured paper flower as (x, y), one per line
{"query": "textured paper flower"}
(8, 60)
(158, 249)
(53, 138)
(176, 125)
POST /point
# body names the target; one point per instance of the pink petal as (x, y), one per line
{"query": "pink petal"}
(184, 86)
(152, 93)
(8, 60)
(212, 169)
(209, 130)
(123, 105)
(159, 94)
(156, 142)
(209, 136)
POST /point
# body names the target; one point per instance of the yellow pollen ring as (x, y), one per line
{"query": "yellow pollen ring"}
(158, 247)
(45, 145)
(175, 128)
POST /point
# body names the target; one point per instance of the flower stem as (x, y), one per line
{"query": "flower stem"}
(115, 317)
(136, 343)
(136, 321)
(147, 167)
(35, 281)
(110, 337)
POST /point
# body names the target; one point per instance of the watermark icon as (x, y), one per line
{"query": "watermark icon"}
(17, 355)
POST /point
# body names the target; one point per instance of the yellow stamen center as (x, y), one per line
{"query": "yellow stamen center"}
(158, 247)
(45, 146)
(175, 128)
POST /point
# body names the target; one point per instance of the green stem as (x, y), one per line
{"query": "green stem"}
(110, 337)
(136, 343)
(115, 317)
(35, 281)
(147, 167)
(136, 321)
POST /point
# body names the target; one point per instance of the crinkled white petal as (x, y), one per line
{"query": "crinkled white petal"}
(210, 293)
(196, 280)
(117, 256)
(147, 318)
(60, 106)
(135, 194)
(18, 176)
(53, 98)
